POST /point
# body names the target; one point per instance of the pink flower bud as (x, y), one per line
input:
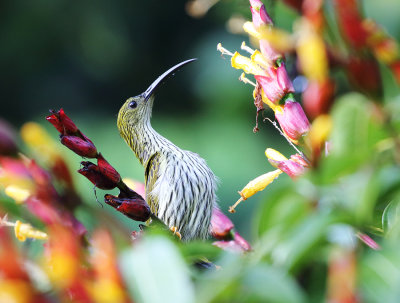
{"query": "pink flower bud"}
(299, 159)
(80, 146)
(221, 225)
(291, 168)
(260, 16)
(62, 122)
(136, 209)
(277, 84)
(231, 246)
(92, 172)
(293, 120)
(242, 242)
(256, 4)
(106, 169)
(237, 245)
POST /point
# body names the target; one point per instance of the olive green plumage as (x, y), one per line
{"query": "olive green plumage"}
(180, 187)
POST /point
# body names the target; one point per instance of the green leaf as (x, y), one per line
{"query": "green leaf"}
(379, 275)
(264, 283)
(154, 271)
(355, 133)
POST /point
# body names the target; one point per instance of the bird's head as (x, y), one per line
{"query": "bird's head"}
(137, 110)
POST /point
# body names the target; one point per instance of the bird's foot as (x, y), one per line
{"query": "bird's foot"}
(174, 229)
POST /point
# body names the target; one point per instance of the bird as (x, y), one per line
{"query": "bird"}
(180, 187)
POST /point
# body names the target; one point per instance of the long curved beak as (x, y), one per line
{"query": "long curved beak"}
(150, 91)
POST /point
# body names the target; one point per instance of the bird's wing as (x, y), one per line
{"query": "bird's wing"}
(151, 175)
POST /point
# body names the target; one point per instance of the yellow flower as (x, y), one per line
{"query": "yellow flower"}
(246, 64)
(280, 40)
(256, 185)
(274, 155)
(320, 130)
(25, 230)
(37, 138)
(15, 291)
(19, 194)
(311, 53)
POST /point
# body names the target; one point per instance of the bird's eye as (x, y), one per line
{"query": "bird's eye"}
(132, 104)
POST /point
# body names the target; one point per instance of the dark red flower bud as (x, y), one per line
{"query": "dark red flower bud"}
(61, 171)
(80, 146)
(221, 225)
(364, 75)
(136, 209)
(107, 170)
(55, 121)
(92, 172)
(62, 122)
(318, 97)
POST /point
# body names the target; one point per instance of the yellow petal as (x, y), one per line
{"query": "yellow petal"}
(19, 194)
(280, 40)
(259, 59)
(320, 130)
(274, 107)
(25, 230)
(311, 53)
(259, 183)
(37, 138)
(274, 155)
(246, 64)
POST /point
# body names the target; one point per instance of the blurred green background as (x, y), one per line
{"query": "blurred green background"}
(89, 56)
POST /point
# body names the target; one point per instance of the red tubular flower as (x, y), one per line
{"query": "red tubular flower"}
(107, 170)
(277, 84)
(365, 75)
(350, 22)
(318, 97)
(62, 122)
(84, 148)
(221, 225)
(291, 168)
(93, 173)
(136, 209)
(293, 120)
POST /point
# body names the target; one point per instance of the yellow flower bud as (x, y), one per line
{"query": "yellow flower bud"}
(311, 53)
(274, 155)
(280, 40)
(37, 138)
(256, 185)
(25, 230)
(320, 130)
